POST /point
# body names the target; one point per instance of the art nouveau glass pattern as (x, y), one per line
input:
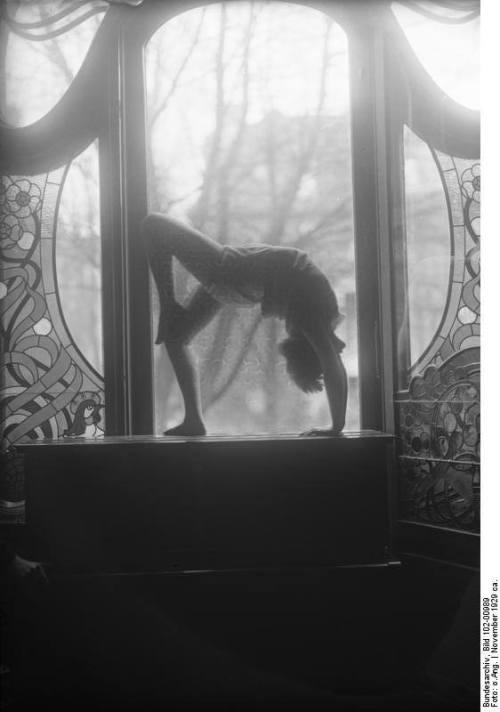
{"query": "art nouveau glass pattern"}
(50, 295)
(49, 389)
(438, 410)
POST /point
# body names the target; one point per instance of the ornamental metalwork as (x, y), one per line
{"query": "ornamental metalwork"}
(49, 389)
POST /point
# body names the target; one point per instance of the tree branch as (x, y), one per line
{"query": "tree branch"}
(175, 81)
(237, 365)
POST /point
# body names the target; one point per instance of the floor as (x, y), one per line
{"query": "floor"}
(357, 639)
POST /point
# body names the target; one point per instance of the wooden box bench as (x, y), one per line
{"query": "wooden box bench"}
(182, 504)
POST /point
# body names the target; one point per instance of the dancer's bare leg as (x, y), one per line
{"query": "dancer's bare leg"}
(164, 239)
(198, 313)
(189, 383)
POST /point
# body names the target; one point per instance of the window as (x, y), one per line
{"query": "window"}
(445, 40)
(428, 248)
(43, 55)
(52, 371)
(78, 256)
(249, 140)
(339, 131)
(438, 275)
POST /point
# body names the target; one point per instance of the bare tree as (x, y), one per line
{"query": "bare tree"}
(250, 186)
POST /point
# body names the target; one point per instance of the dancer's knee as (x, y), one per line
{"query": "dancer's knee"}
(149, 225)
(155, 229)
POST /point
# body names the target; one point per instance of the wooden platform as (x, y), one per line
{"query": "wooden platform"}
(148, 503)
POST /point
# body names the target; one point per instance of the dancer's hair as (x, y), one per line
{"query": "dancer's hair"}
(302, 363)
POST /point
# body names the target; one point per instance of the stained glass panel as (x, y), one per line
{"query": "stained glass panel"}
(78, 256)
(48, 388)
(438, 415)
(428, 247)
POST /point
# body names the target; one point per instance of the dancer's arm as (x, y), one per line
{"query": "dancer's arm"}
(321, 337)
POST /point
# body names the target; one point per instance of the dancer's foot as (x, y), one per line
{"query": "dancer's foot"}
(187, 428)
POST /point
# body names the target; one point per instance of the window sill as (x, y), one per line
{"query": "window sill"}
(213, 503)
(159, 440)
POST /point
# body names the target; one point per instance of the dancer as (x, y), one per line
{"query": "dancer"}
(282, 279)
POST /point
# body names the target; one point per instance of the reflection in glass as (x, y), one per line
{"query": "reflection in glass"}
(78, 256)
(249, 141)
(427, 244)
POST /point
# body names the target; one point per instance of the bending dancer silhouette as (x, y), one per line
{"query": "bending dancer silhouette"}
(282, 279)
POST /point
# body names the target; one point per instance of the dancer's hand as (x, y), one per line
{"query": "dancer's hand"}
(322, 432)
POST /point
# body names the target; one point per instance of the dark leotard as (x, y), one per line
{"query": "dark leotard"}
(284, 280)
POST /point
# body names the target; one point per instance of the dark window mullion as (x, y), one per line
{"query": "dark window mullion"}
(366, 177)
(113, 254)
(135, 191)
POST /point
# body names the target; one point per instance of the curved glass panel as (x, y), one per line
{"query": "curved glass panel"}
(438, 404)
(48, 389)
(428, 244)
(78, 256)
(42, 56)
(249, 141)
(448, 52)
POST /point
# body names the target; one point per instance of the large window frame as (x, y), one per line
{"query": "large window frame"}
(107, 101)
(124, 160)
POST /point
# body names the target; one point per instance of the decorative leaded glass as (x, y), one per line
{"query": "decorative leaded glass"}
(51, 384)
(438, 414)
(49, 389)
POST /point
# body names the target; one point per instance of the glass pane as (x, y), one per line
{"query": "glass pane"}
(449, 52)
(438, 404)
(49, 390)
(249, 140)
(428, 244)
(78, 256)
(39, 62)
